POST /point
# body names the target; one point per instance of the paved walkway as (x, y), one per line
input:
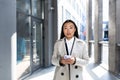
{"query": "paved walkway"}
(43, 74)
(91, 72)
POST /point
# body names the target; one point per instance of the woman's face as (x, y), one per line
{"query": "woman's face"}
(69, 30)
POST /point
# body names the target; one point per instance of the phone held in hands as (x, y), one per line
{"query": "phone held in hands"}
(67, 56)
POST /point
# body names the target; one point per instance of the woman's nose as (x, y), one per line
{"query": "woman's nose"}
(68, 29)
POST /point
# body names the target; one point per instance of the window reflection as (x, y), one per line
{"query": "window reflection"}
(37, 44)
(24, 6)
(36, 8)
(23, 45)
(29, 47)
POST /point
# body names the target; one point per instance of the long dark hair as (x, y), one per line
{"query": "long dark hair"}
(76, 32)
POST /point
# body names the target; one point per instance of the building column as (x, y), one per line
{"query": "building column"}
(98, 20)
(114, 36)
(50, 30)
(8, 41)
(89, 26)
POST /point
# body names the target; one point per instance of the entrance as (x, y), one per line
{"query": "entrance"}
(37, 44)
(29, 44)
(29, 36)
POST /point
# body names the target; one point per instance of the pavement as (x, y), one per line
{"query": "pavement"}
(91, 72)
(42, 74)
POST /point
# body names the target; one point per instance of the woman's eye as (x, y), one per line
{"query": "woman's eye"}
(65, 28)
(71, 27)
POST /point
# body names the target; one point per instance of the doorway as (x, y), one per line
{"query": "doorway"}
(37, 44)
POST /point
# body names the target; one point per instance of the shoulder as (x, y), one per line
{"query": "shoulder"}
(80, 41)
(59, 41)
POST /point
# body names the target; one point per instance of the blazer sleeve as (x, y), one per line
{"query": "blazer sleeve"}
(56, 57)
(85, 58)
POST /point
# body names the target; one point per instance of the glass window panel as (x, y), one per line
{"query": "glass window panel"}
(24, 6)
(23, 45)
(37, 44)
(68, 15)
(37, 8)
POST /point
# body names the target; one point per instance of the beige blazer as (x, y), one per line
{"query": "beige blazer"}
(79, 51)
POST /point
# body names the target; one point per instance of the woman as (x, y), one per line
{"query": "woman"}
(70, 54)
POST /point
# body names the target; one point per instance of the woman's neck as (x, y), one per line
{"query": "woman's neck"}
(70, 38)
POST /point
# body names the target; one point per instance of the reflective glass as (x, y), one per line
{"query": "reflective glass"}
(37, 43)
(23, 6)
(37, 8)
(29, 47)
(23, 45)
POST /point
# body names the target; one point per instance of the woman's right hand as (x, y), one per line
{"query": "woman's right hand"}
(62, 60)
(67, 61)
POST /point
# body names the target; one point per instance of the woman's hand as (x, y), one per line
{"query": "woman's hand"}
(68, 60)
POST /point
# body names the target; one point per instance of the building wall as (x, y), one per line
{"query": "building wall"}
(50, 30)
(7, 38)
(74, 10)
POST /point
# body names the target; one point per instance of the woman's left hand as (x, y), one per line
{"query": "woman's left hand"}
(70, 60)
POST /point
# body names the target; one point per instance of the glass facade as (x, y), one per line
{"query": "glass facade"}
(23, 44)
(68, 15)
(29, 36)
(105, 19)
(37, 44)
(24, 6)
(37, 8)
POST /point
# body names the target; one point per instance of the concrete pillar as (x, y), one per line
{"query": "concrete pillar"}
(89, 25)
(118, 35)
(55, 21)
(7, 39)
(50, 29)
(97, 29)
(114, 36)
